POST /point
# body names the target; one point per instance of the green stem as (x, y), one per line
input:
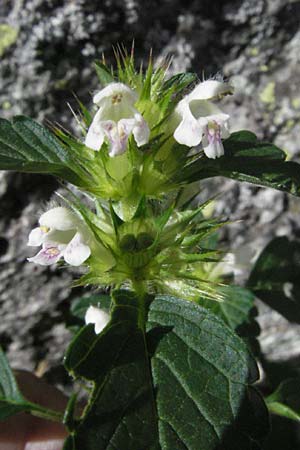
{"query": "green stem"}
(139, 287)
(44, 413)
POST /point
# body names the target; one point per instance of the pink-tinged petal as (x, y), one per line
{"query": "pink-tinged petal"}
(212, 142)
(46, 256)
(36, 236)
(98, 317)
(210, 150)
(141, 131)
(125, 127)
(76, 251)
(116, 147)
(212, 146)
(221, 119)
(117, 135)
(58, 218)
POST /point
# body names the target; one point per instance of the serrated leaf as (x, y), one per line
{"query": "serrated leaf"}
(275, 277)
(248, 160)
(27, 146)
(285, 401)
(179, 384)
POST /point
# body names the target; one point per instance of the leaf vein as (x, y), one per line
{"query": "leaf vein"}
(189, 395)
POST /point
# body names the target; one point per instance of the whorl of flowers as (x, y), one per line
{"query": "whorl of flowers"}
(134, 157)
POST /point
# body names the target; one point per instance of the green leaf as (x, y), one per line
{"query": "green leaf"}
(104, 74)
(27, 146)
(248, 160)
(172, 89)
(146, 89)
(236, 310)
(179, 81)
(85, 114)
(68, 419)
(275, 277)
(11, 399)
(69, 444)
(285, 401)
(181, 383)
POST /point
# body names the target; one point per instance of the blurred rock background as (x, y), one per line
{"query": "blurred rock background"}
(46, 52)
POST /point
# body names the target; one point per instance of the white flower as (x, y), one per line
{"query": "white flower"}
(98, 317)
(60, 237)
(116, 119)
(201, 121)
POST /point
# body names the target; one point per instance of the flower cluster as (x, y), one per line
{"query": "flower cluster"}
(200, 120)
(136, 148)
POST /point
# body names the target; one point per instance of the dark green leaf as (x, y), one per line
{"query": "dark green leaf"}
(179, 81)
(68, 419)
(181, 384)
(173, 88)
(248, 160)
(69, 444)
(284, 434)
(27, 146)
(275, 278)
(285, 401)
(11, 399)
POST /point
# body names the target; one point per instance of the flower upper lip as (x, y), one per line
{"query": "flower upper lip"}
(200, 120)
(116, 92)
(116, 119)
(210, 90)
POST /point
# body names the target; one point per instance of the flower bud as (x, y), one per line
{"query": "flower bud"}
(98, 317)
